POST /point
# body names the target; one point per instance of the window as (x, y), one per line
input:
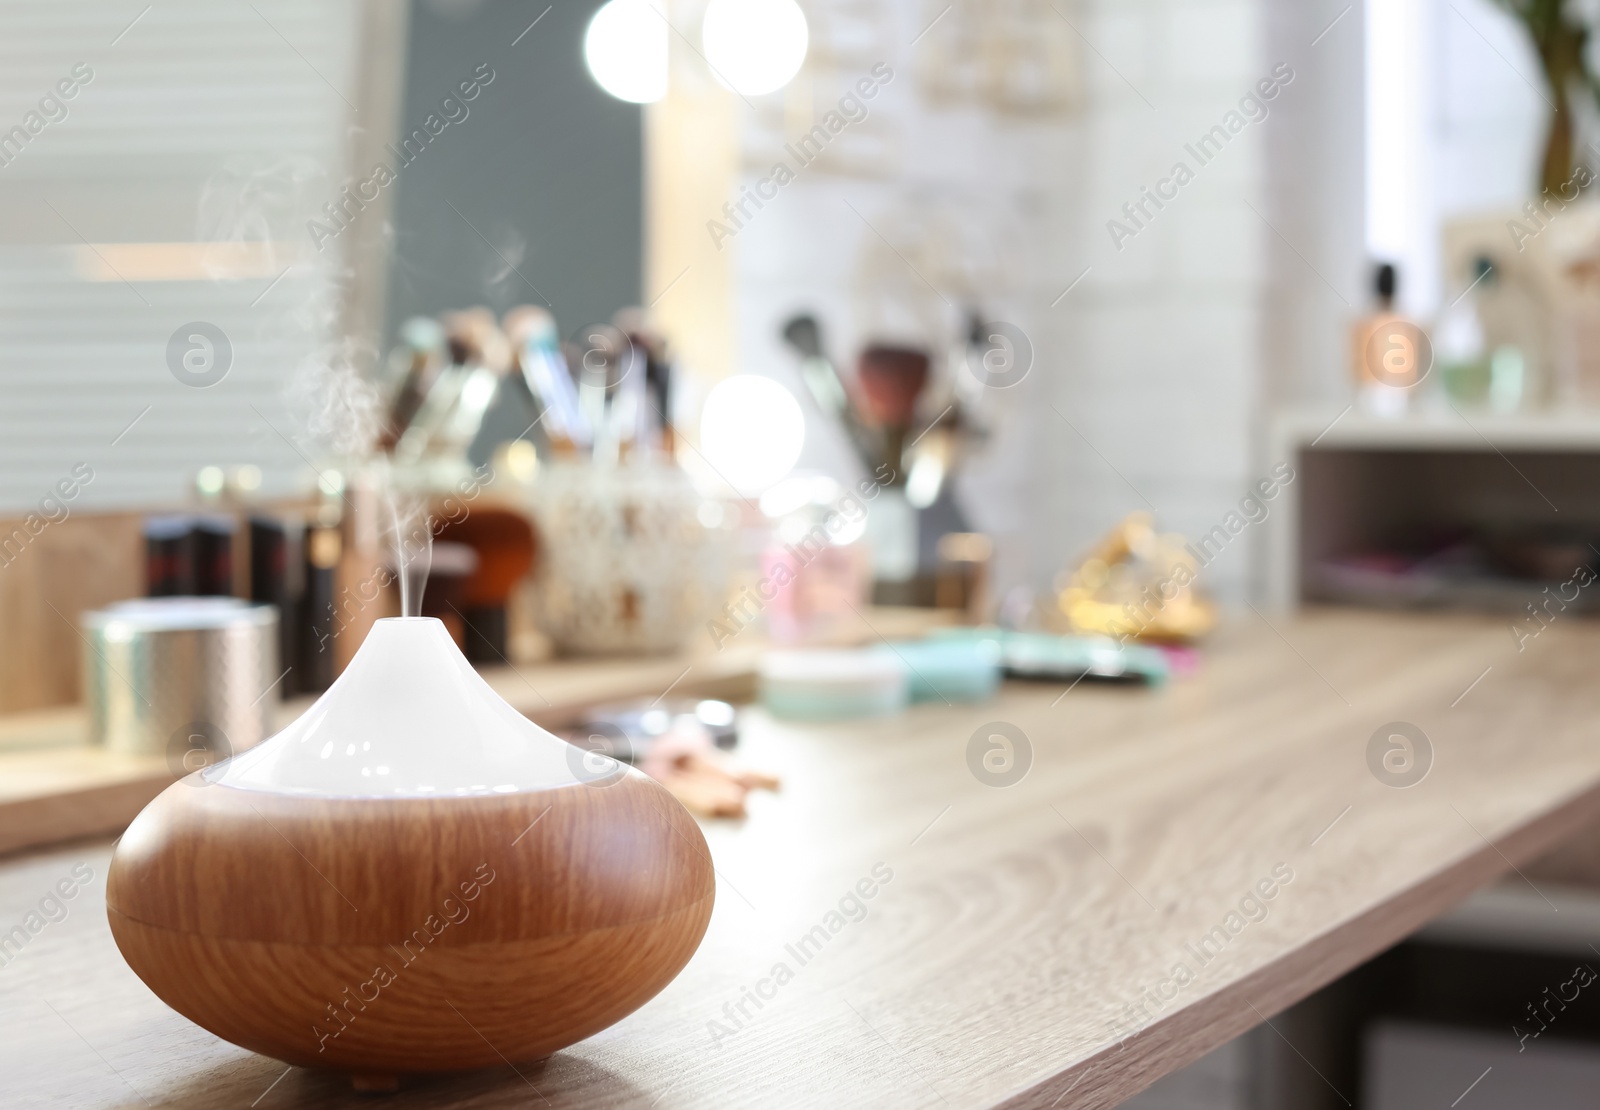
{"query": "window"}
(158, 165)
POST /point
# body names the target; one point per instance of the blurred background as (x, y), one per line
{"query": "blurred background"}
(993, 195)
(636, 326)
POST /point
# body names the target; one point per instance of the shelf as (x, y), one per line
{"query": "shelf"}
(56, 786)
(1413, 486)
(1441, 431)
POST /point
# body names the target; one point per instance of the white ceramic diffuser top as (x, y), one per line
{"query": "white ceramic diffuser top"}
(409, 717)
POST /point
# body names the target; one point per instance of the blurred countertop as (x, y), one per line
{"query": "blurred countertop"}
(1022, 945)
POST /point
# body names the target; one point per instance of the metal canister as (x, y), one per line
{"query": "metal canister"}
(191, 678)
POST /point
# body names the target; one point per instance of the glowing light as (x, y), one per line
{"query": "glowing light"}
(625, 48)
(751, 431)
(210, 480)
(755, 46)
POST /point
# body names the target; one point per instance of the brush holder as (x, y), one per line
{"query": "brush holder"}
(635, 560)
(412, 877)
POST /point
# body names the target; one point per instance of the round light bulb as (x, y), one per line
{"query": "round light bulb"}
(751, 431)
(754, 46)
(625, 48)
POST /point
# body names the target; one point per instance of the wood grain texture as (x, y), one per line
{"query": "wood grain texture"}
(55, 786)
(450, 1008)
(410, 935)
(997, 965)
(48, 796)
(83, 562)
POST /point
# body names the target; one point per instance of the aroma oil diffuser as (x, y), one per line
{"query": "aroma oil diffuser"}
(412, 877)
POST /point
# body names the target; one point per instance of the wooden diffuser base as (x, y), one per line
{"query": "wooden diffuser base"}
(410, 878)
(413, 935)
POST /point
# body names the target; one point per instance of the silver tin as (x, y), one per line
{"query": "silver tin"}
(185, 677)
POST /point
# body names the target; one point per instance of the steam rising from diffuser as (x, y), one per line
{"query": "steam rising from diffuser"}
(260, 207)
(339, 405)
(342, 409)
(413, 552)
(250, 212)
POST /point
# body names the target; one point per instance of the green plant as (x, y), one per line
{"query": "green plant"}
(1560, 34)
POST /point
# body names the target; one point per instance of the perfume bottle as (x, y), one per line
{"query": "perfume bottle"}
(1387, 351)
(1515, 328)
(1489, 343)
(1461, 348)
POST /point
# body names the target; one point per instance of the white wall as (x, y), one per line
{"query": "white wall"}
(1152, 372)
(967, 195)
(1158, 347)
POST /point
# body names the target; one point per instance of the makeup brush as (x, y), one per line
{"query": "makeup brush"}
(490, 357)
(463, 331)
(630, 408)
(658, 373)
(892, 378)
(419, 356)
(601, 355)
(532, 331)
(827, 389)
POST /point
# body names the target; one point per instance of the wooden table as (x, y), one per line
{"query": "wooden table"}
(55, 785)
(1018, 941)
